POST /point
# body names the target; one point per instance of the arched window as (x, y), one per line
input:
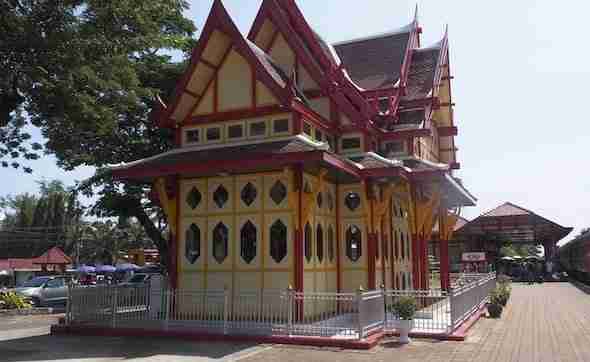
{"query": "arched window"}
(192, 247)
(278, 241)
(248, 241)
(331, 248)
(353, 243)
(319, 239)
(395, 245)
(402, 244)
(220, 242)
(307, 242)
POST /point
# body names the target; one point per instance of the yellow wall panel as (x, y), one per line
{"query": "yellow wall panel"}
(282, 54)
(242, 220)
(220, 183)
(248, 282)
(264, 97)
(219, 280)
(234, 82)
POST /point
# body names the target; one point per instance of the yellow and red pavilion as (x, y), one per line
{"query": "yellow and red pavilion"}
(301, 163)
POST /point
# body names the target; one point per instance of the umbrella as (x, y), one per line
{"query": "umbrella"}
(126, 267)
(509, 258)
(4, 272)
(106, 269)
(86, 269)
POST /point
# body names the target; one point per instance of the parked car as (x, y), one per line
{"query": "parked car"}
(45, 291)
(137, 279)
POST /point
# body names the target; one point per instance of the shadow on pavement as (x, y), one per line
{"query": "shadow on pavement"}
(49, 348)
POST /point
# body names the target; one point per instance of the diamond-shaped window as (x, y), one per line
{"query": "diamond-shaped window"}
(192, 247)
(320, 243)
(278, 241)
(307, 242)
(352, 201)
(193, 199)
(278, 192)
(248, 239)
(353, 243)
(220, 241)
(220, 196)
(330, 243)
(320, 200)
(249, 194)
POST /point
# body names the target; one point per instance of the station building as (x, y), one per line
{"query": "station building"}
(302, 163)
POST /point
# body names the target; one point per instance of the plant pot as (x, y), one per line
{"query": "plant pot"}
(404, 328)
(495, 310)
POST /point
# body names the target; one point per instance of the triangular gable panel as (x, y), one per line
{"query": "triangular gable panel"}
(283, 55)
(265, 36)
(264, 97)
(219, 35)
(234, 83)
(205, 105)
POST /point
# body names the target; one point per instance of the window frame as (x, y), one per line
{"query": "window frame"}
(249, 130)
(234, 124)
(206, 134)
(192, 129)
(281, 133)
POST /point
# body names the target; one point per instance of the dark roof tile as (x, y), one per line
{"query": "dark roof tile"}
(375, 62)
(422, 72)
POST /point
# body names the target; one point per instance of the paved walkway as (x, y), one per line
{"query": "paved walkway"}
(543, 322)
(549, 322)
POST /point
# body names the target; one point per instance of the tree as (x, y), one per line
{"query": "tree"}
(86, 73)
(89, 73)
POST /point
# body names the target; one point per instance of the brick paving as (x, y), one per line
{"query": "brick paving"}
(543, 322)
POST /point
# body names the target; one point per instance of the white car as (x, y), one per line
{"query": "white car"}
(45, 291)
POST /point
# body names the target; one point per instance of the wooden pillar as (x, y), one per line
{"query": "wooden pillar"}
(445, 280)
(372, 236)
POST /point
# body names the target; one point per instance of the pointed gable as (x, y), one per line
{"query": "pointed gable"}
(222, 48)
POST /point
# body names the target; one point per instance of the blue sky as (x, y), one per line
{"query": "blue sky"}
(521, 79)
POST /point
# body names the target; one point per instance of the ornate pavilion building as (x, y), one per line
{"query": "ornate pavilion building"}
(301, 163)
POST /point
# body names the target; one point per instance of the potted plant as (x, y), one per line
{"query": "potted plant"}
(405, 308)
(495, 306)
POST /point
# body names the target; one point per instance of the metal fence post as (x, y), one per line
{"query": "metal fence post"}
(167, 307)
(290, 308)
(359, 302)
(384, 305)
(69, 305)
(114, 308)
(225, 310)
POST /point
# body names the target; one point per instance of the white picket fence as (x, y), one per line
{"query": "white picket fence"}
(272, 312)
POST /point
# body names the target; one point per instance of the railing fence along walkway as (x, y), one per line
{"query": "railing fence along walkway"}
(282, 313)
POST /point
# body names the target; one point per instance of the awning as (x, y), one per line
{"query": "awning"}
(208, 161)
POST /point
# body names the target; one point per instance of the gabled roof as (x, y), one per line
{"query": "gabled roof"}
(53, 256)
(517, 224)
(219, 28)
(375, 62)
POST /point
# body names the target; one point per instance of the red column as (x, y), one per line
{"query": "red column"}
(445, 281)
(424, 263)
(371, 244)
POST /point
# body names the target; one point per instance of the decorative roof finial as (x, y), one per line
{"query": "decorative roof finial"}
(416, 14)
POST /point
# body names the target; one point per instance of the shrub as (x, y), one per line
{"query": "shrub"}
(11, 300)
(404, 307)
(503, 280)
(495, 310)
(500, 295)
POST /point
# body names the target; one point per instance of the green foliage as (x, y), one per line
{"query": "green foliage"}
(495, 310)
(404, 307)
(11, 300)
(86, 73)
(500, 295)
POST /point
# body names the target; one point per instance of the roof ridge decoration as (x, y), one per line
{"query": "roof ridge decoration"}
(219, 18)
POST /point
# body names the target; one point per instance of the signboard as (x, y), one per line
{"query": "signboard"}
(473, 257)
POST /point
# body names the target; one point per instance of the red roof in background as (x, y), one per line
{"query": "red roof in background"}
(507, 209)
(53, 256)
